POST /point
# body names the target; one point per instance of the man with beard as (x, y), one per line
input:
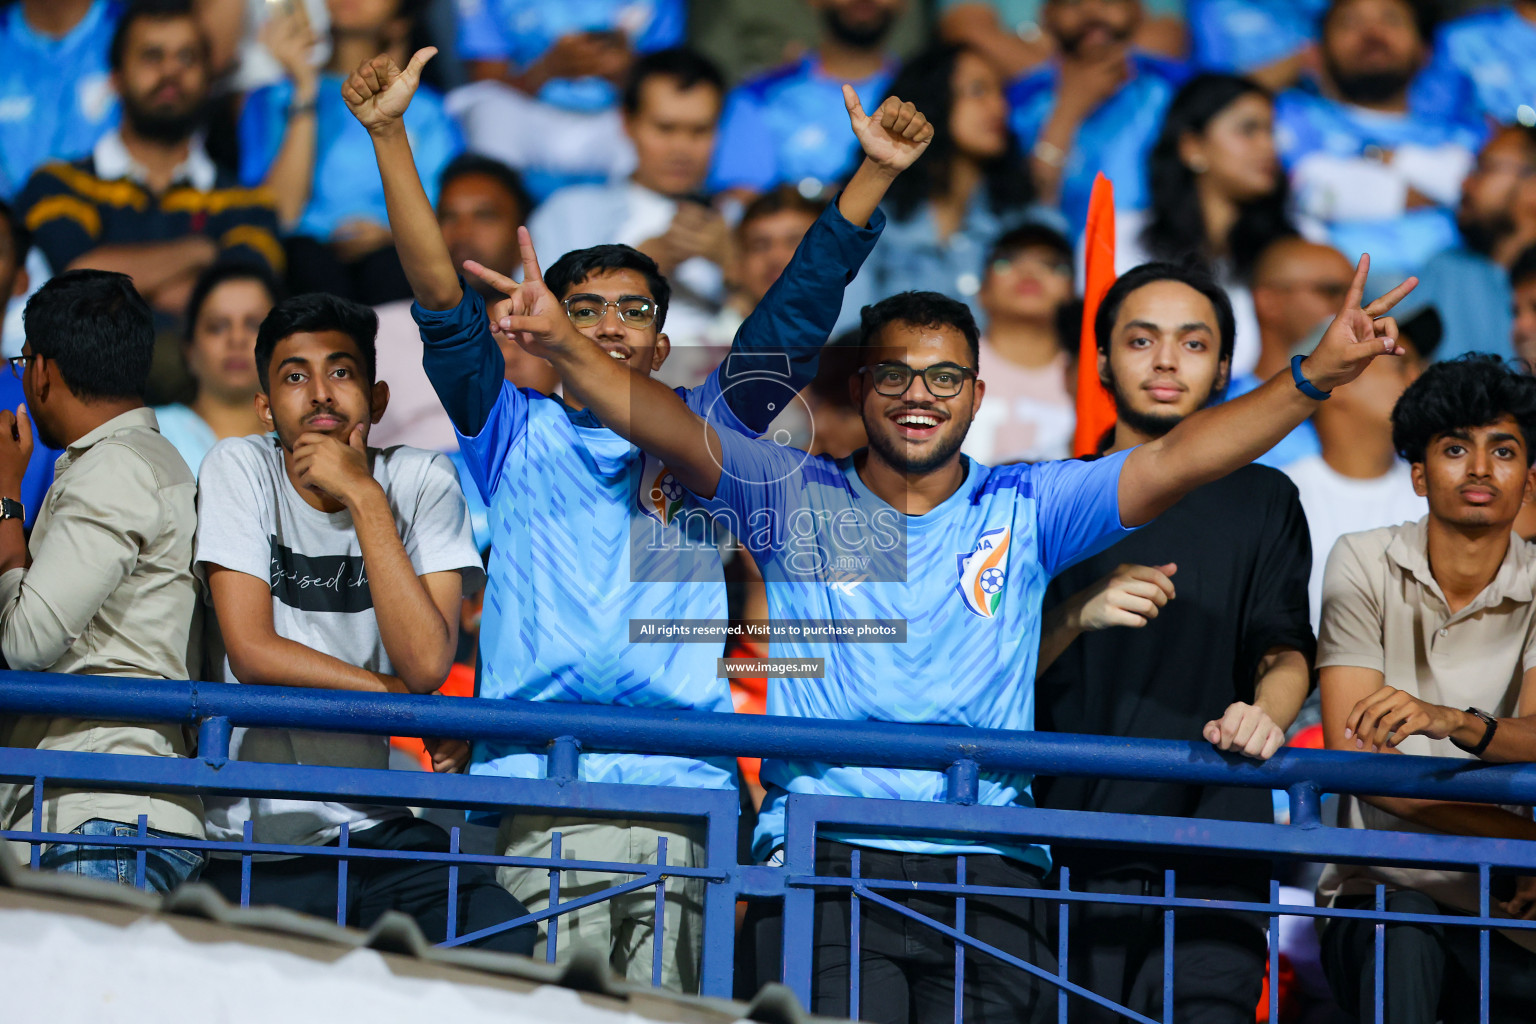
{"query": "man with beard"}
(1497, 217)
(1378, 170)
(786, 125)
(1097, 107)
(148, 201)
(1237, 555)
(104, 585)
(959, 554)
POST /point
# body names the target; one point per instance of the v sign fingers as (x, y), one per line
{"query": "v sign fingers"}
(1357, 334)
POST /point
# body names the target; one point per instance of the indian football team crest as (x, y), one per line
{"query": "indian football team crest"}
(660, 496)
(983, 573)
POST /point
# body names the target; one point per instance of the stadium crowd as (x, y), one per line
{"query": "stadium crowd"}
(373, 344)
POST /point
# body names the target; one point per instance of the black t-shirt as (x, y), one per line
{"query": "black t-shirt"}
(1243, 557)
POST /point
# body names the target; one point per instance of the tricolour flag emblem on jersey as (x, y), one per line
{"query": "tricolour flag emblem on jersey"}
(983, 573)
(660, 495)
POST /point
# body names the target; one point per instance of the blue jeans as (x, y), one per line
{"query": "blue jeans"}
(164, 870)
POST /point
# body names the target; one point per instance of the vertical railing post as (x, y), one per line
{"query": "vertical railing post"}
(960, 946)
(453, 886)
(552, 931)
(1484, 885)
(659, 931)
(141, 855)
(1063, 917)
(720, 846)
(343, 841)
(213, 735)
(1168, 892)
(799, 904)
(963, 780)
(1306, 805)
(564, 755)
(855, 940)
(1378, 985)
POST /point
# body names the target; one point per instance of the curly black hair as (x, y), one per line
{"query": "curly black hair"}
(1460, 394)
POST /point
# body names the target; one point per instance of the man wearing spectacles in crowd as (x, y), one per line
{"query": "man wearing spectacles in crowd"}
(957, 553)
(588, 530)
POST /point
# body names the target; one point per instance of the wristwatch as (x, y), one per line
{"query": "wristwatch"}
(1491, 724)
(10, 508)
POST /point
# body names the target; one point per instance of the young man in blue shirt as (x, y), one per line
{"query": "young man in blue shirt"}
(571, 501)
(910, 529)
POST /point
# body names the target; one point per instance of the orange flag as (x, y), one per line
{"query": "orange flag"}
(1095, 408)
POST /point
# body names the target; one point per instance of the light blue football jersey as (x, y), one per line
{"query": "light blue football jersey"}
(1489, 53)
(967, 578)
(56, 96)
(1117, 138)
(586, 532)
(790, 125)
(1401, 245)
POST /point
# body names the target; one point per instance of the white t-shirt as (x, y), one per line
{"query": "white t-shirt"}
(1336, 505)
(250, 519)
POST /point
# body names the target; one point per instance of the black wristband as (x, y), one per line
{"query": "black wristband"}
(1490, 726)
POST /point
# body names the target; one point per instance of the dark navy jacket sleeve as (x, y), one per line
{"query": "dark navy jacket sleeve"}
(462, 360)
(779, 345)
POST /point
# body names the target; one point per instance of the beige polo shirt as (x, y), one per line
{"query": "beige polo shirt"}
(1383, 610)
(109, 593)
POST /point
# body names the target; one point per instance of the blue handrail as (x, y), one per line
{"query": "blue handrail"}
(706, 734)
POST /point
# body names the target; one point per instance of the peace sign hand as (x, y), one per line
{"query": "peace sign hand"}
(379, 91)
(894, 136)
(530, 315)
(1357, 335)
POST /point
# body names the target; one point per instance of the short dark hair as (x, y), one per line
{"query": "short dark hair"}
(97, 328)
(1028, 236)
(1471, 391)
(312, 313)
(147, 10)
(466, 164)
(1524, 267)
(16, 228)
(683, 64)
(1189, 274)
(579, 264)
(222, 273)
(779, 199)
(920, 309)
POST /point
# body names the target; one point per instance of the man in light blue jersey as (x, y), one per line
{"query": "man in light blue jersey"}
(572, 502)
(1097, 107)
(1489, 53)
(909, 529)
(56, 95)
(1380, 170)
(784, 126)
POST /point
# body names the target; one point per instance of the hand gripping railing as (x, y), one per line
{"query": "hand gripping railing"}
(963, 753)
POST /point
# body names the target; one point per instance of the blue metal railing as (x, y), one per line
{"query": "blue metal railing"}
(567, 729)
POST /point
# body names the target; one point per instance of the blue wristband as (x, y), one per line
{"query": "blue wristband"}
(1305, 386)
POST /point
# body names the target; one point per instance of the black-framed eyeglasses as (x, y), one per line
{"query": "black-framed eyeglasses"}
(19, 364)
(634, 310)
(944, 380)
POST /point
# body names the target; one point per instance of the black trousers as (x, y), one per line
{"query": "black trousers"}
(907, 969)
(1116, 951)
(1431, 973)
(420, 889)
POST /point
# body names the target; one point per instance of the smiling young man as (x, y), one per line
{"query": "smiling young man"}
(1428, 646)
(588, 533)
(910, 529)
(334, 565)
(1238, 552)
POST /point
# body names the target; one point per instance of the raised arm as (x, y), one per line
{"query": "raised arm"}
(632, 404)
(461, 358)
(1215, 441)
(378, 93)
(799, 312)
